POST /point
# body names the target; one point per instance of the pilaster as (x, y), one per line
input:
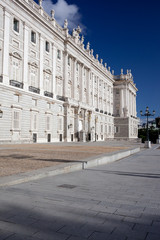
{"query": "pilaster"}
(66, 123)
(121, 103)
(82, 82)
(74, 79)
(25, 56)
(54, 51)
(97, 92)
(41, 49)
(88, 87)
(93, 89)
(6, 16)
(65, 87)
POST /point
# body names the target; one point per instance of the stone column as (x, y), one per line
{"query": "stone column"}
(6, 17)
(82, 82)
(135, 106)
(121, 103)
(98, 93)
(130, 103)
(76, 125)
(127, 99)
(74, 79)
(65, 87)
(66, 123)
(88, 87)
(54, 58)
(25, 56)
(93, 89)
(41, 77)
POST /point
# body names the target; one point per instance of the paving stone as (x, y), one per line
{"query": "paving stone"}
(118, 200)
(98, 236)
(152, 236)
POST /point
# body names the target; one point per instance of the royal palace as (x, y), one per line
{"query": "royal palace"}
(52, 87)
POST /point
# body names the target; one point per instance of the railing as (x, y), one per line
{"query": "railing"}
(34, 89)
(61, 98)
(48, 94)
(15, 83)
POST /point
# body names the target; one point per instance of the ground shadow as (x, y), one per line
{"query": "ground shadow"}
(130, 174)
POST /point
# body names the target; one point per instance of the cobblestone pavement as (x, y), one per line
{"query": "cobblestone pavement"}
(117, 201)
(19, 158)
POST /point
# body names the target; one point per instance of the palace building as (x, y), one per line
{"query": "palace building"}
(52, 87)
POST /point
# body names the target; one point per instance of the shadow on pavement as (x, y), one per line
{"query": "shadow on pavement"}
(130, 174)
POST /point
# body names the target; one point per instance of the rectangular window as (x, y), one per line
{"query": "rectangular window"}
(58, 54)
(33, 37)
(77, 67)
(47, 46)
(69, 61)
(16, 25)
(16, 120)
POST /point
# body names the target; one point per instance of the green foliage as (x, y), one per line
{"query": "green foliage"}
(153, 135)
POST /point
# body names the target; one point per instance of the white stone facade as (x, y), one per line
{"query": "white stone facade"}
(52, 88)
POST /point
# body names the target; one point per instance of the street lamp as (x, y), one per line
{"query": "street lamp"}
(1, 113)
(147, 114)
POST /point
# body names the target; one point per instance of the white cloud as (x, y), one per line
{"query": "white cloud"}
(64, 11)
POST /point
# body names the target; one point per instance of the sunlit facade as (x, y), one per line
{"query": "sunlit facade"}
(52, 87)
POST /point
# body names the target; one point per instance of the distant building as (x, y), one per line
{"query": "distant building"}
(52, 87)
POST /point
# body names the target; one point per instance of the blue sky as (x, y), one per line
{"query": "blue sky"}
(126, 34)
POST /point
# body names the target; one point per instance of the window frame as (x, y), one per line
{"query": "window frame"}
(16, 29)
(47, 47)
(58, 54)
(33, 37)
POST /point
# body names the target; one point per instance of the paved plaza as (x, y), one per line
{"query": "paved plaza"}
(117, 201)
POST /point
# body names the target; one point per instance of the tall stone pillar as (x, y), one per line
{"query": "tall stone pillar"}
(76, 125)
(65, 87)
(25, 56)
(67, 136)
(103, 107)
(93, 90)
(121, 103)
(82, 83)
(130, 103)
(127, 99)
(6, 17)
(98, 92)
(41, 77)
(74, 79)
(54, 58)
(88, 87)
(135, 105)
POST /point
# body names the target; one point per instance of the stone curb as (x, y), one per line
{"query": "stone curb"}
(65, 168)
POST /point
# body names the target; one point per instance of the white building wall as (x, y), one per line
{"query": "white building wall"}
(79, 93)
